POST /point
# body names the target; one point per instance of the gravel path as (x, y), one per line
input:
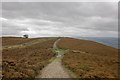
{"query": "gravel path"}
(55, 68)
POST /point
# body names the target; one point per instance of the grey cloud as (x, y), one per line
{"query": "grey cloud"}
(60, 9)
(62, 18)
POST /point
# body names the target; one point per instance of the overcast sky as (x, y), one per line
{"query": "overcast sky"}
(46, 19)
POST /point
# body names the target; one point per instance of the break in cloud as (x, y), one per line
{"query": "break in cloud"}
(60, 19)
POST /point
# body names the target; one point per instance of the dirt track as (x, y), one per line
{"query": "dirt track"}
(24, 44)
(55, 68)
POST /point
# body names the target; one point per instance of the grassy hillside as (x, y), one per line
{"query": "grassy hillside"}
(90, 59)
(14, 40)
(26, 62)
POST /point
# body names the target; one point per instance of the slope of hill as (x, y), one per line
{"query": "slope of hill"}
(90, 59)
(14, 40)
(26, 62)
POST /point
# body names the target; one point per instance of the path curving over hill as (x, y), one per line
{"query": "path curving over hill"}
(55, 68)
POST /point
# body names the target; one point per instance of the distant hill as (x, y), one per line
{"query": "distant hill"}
(110, 41)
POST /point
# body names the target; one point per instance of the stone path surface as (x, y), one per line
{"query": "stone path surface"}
(55, 68)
